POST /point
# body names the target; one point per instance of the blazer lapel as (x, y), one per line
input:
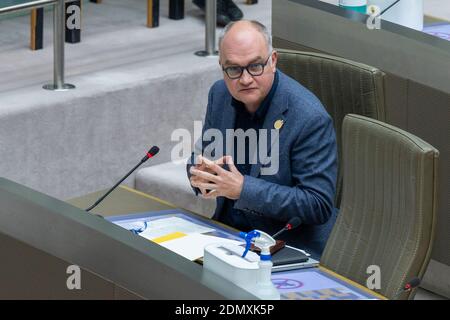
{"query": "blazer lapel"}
(276, 113)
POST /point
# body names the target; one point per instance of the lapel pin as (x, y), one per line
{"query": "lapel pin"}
(278, 124)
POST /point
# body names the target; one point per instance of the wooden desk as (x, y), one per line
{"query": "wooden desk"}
(127, 200)
(121, 201)
(41, 237)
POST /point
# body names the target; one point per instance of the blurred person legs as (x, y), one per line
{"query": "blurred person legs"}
(227, 11)
(233, 10)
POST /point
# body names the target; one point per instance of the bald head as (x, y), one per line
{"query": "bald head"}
(244, 31)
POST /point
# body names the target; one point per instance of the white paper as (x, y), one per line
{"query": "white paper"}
(192, 246)
(161, 227)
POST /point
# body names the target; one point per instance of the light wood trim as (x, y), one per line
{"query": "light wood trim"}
(353, 283)
(33, 21)
(437, 19)
(147, 196)
(149, 13)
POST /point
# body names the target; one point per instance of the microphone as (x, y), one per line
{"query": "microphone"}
(413, 283)
(292, 224)
(151, 153)
(389, 7)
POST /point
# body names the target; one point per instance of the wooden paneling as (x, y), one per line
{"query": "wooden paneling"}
(37, 29)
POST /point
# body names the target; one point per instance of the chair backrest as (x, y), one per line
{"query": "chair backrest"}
(343, 87)
(388, 211)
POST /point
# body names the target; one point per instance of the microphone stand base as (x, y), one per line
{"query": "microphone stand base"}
(53, 87)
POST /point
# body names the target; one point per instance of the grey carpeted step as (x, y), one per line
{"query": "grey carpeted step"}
(169, 182)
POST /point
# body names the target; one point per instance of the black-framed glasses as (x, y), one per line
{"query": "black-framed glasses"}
(254, 69)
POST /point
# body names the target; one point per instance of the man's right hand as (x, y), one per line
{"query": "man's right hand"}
(204, 164)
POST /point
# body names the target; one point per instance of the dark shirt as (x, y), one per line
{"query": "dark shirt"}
(245, 120)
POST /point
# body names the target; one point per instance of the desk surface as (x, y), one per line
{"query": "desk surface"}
(127, 200)
(121, 201)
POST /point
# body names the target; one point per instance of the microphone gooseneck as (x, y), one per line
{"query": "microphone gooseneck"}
(152, 152)
(389, 7)
(292, 224)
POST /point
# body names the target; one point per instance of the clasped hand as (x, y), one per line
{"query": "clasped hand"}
(214, 181)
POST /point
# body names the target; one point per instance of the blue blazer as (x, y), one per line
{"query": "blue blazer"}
(305, 183)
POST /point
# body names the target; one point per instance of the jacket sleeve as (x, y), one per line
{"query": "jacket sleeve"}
(200, 144)
(314, 171)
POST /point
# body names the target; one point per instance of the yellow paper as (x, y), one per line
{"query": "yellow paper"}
(170, 236)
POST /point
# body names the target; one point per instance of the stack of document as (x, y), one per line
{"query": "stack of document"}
(191, 246)
(181, 236)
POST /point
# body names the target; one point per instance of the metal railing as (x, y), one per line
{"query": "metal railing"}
(59, 21)
(210, 29)
(27, 5)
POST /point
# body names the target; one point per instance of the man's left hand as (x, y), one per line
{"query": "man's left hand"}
(223, 183)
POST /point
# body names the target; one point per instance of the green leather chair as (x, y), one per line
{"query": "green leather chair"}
(343, 87)
(388, 209)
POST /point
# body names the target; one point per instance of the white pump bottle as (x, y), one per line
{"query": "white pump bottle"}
(264, 286)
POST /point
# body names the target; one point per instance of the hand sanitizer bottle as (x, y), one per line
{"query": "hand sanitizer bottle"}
(264, 288)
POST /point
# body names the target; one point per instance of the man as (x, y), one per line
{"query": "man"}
(254, 95)
(227, 11)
